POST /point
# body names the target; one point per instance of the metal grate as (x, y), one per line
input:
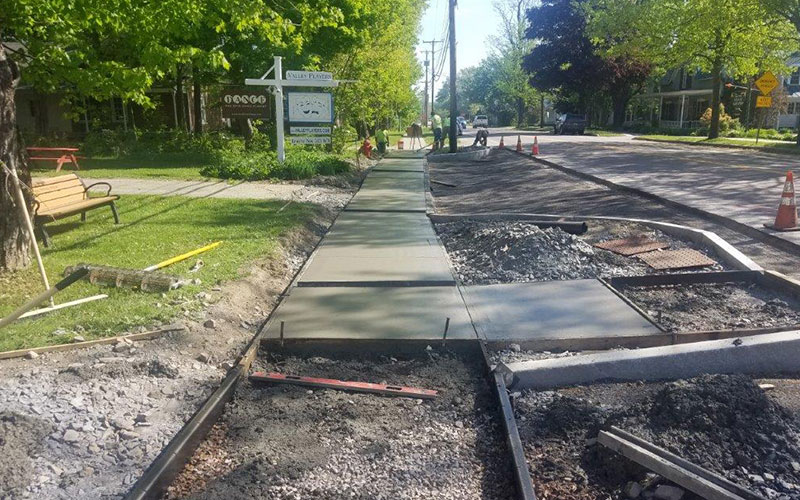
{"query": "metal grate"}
(676, 259)
(632, 246)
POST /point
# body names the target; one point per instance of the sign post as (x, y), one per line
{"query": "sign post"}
(296, 79)
(766, 84)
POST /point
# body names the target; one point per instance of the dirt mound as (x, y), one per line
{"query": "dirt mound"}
(505, 252)
(725, 423)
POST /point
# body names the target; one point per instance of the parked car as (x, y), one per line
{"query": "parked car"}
(569, 123)
(480, 121)
(462, 125)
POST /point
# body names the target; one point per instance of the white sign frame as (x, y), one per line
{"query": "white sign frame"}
(310, 107)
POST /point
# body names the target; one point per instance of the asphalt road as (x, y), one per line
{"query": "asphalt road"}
(742, 185)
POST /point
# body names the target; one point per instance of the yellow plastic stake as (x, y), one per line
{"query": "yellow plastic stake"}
(181, 257)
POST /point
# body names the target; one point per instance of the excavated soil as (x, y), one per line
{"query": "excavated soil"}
(287, 441)
(725, 423)
(726, 306)
(485, 252)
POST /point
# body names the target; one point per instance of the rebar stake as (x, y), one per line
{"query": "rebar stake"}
(282, 333)
(446, 327)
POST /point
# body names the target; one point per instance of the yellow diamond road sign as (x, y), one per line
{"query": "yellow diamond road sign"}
(767, 83)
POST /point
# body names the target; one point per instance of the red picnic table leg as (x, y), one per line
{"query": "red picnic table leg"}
(74, 161)
(60, 162)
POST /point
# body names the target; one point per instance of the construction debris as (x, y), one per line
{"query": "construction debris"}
(632, 246)
(132, 278)
(329, 383)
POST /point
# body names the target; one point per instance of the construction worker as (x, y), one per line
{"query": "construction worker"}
(382, 136)
(481, 137)
(436, 125)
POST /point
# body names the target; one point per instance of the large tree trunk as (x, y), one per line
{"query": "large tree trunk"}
(520, 111)
(14, 242)
(716, 83)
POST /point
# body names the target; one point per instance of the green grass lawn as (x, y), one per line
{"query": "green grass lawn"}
(153, 229)
(774, 147)
(182, 166)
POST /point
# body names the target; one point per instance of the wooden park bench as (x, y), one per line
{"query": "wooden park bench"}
(59, 197)
(58, 155)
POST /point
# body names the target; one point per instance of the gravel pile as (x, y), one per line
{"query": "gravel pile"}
(706, 307)
(289, 442)
(88, 430)
(506, 252)
(725, 423)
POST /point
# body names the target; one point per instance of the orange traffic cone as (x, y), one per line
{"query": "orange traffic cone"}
(519, 144)
(502, 142)
(786, 219)
(535, 147)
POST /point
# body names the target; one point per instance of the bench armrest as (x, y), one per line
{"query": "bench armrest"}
(90, 186)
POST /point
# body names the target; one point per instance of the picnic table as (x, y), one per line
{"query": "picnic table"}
(58, 155)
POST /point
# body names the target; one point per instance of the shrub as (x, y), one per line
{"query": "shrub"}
(726, 121)
(260, 165)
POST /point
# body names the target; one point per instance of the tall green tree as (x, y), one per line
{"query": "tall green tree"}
(739, 38)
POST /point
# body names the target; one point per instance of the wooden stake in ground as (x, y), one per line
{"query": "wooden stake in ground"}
(23, 207)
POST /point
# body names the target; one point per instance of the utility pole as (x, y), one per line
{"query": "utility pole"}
(433, 71)
(453, 104)
(425, 99)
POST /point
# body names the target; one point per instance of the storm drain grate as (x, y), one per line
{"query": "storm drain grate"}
(676, 259)
(632, 246)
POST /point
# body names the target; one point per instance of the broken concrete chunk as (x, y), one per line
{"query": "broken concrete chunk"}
(71, 436)
(210, 323)
(32, 355)
(667, 492)
(633, 489)
(203, 357)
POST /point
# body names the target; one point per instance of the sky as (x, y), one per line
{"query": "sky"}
(476, 21)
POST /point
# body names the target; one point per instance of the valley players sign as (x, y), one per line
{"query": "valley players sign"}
(244, 103)
(310, 107)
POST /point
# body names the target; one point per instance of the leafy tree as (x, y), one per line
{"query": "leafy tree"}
(737, 37)
(566, 61)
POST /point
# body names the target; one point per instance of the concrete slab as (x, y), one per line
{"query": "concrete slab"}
(408, 313)
(772, 353)
(573, 314)
(401, 164)
(390, 192)
(376, 246)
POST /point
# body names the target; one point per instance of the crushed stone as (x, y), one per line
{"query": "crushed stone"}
(485, 252)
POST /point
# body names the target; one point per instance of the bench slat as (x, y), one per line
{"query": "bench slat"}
(62, 195)
(45, 181)
(44, 191)
(76, 208)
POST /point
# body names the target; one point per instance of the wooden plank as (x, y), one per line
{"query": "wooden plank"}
(68, 192)
(45, 181)
(45, 190)
(675, 473)
(91, 343)
(329, 383)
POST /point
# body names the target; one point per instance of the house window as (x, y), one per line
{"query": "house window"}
(700, 107)
(795, 78)
(792, 108)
